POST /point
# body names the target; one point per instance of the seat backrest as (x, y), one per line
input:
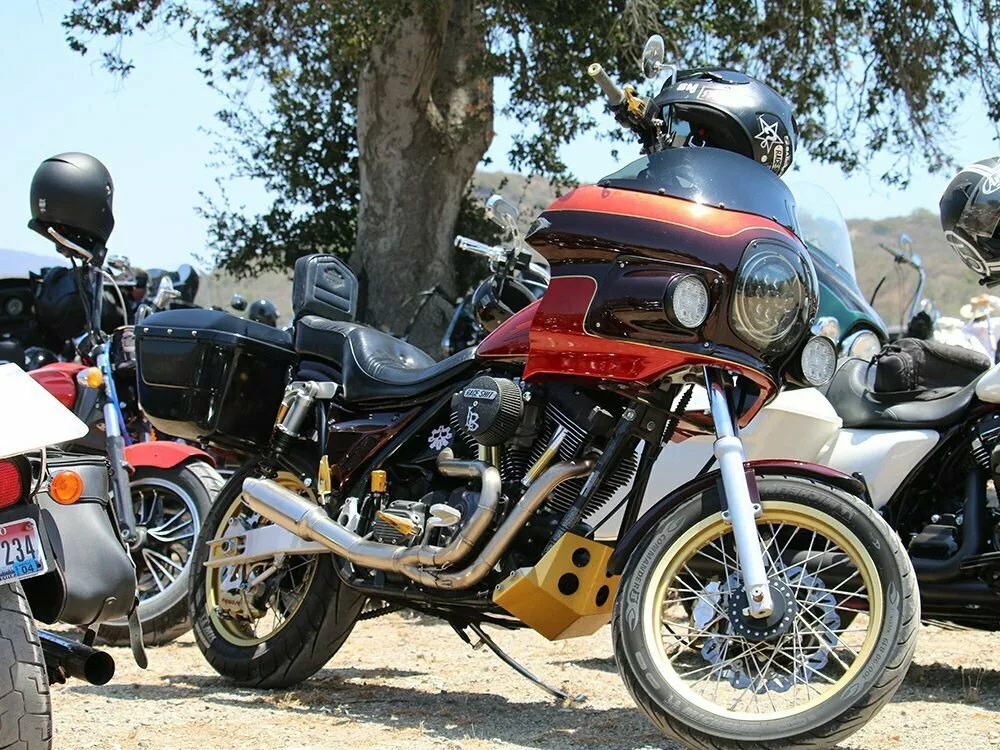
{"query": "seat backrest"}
(323, 285)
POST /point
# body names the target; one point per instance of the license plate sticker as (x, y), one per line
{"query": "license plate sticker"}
(21, 554)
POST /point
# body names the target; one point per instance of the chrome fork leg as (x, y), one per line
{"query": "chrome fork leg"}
(729, 453)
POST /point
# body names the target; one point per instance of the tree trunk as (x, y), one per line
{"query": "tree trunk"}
(425, 119)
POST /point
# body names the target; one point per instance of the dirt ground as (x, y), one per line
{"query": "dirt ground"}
(405, 683)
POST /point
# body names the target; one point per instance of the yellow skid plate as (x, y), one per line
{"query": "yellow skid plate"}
(567, 594)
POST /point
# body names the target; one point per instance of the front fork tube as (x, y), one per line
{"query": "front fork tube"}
(124, 509)
(742, 510)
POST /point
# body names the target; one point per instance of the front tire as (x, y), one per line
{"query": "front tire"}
(25, 706)
(319, 612)
(171, 505)
(809, 681)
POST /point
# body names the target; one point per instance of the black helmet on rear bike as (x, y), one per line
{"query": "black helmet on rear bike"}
(264, 311)
(970, 215)
(72, 194)
(732, 111)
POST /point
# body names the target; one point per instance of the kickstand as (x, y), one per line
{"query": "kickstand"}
(509, 661)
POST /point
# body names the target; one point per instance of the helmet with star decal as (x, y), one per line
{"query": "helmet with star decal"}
(729, 110)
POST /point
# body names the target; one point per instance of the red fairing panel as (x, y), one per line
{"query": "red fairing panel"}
(709, 220)
(510, 340)
(163, 454)
(59, 379)
(559, 345)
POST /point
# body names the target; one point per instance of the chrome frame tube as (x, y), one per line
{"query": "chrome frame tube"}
(728, 451)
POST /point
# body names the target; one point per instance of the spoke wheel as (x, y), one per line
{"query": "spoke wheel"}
(171, 519)
(737, 667)
(253, 615)
(278, 630)
(832, 653)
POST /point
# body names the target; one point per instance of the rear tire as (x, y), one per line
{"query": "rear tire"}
(165, 616)
(307, 640)
(25, 706)
(692, 718)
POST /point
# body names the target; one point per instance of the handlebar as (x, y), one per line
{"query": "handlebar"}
(611, 90)
(493, 252)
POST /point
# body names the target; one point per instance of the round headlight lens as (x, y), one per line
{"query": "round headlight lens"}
(819, 360)
(687, 301)
(862, 345)
(770, 299)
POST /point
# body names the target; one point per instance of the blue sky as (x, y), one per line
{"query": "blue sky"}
(152, 130)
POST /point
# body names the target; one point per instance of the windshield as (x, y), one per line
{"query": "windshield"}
(710, 176)
(822, 225)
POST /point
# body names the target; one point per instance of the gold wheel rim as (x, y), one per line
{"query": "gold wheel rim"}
(783, 514)
(227, 627)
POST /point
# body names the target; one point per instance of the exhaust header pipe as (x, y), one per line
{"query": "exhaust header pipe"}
(76, 659)
(308, 521)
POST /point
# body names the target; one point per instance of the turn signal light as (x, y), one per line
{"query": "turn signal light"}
(90, 378)
(11, 483)
(66, 487)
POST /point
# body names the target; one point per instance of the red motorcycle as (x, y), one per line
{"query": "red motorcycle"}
(762, 602)
(161, 490)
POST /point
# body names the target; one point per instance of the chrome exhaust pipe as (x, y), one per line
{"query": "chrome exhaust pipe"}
(304, 519)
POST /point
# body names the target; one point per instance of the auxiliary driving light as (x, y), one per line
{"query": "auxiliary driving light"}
(819, 360)
(66, 487)
(686, 301)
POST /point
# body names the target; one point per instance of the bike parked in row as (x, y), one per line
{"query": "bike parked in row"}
(162, 490)
(61, 560)
(760, 602)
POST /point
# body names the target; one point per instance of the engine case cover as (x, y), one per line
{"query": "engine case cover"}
(489, 409)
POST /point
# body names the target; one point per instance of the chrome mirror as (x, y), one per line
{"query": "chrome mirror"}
(905, 243)
(652, 56)
(164, 293)
(503, 213)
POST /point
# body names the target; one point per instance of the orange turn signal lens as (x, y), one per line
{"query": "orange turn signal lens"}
(91, 377)
(66, 487)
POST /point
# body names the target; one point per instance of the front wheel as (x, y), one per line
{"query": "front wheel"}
(833, 652)
(25, 707)
(170, 505)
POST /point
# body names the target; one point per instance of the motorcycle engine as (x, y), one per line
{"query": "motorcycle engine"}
(489, 409)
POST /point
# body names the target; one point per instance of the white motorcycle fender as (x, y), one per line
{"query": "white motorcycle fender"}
(33, 418)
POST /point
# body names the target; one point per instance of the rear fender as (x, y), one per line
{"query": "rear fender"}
(163, 454)
(761, 469)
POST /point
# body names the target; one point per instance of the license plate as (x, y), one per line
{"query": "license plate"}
(21, 554)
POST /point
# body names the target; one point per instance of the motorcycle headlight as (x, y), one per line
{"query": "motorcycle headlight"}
(819, 360)
(861, 345)
(686, 301)
(774, 297)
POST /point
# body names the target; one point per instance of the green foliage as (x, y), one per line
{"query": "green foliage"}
(864, 76)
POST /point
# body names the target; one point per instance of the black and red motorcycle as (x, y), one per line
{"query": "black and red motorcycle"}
(761, 602)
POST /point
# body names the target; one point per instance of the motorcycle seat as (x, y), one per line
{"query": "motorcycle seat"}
(378, 367)
(323, 339)
(857, 406)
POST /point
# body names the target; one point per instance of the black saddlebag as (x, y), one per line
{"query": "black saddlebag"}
(912, 367)
(93, 577)
(209, 376)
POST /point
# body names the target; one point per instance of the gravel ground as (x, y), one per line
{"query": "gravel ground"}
(411, 683)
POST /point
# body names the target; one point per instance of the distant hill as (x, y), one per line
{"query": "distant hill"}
(949, 282)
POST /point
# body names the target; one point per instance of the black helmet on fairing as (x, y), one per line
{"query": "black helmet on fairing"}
(264, 311)
(970, 215)
(732, 111)
(72, 193)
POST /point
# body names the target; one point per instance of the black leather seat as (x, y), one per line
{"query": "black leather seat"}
(859, 407)
(378, 367)
(323, 339)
